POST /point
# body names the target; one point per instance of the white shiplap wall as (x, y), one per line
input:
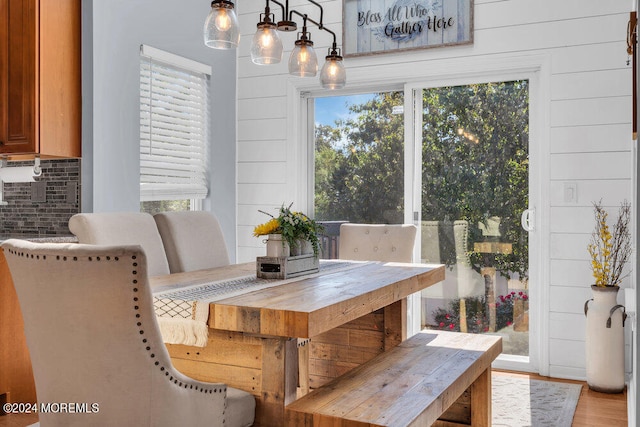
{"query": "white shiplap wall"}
(586, 134)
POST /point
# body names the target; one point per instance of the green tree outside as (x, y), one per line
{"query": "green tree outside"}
(360, 163)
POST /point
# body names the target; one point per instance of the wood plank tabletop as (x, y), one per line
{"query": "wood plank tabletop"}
(309, 305)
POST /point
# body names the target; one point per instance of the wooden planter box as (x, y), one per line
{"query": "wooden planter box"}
(286, 267)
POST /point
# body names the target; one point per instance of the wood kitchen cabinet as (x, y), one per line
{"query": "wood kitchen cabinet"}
(16, 376)
(40, 79)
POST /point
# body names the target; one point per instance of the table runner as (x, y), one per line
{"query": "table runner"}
(183, 313)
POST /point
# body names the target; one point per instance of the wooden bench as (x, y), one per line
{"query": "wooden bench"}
(433, 378)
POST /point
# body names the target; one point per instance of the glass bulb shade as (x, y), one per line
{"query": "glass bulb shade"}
(333, 74)
(221, 29)
(266, 46)
(303, 61)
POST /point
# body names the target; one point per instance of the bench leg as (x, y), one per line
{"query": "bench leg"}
(481, 400)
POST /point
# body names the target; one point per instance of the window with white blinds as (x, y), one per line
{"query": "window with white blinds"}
(174, 101)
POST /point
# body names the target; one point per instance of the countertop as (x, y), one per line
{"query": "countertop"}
(46, 239)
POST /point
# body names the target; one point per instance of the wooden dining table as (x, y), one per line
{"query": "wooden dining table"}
(280, 339)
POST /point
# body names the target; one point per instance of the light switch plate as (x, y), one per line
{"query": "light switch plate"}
(571, 192)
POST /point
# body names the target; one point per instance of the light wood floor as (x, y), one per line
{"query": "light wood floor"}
(594, 409)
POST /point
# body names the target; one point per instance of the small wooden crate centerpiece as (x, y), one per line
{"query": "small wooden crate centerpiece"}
(292, 245)
(286, 267)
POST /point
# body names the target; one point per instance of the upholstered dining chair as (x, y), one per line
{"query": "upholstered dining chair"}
(192, 240)
(95, 345)
(377, 242)
(123, 228)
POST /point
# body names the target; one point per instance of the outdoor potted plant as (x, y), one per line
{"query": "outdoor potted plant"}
(609, 250)
(290, 233)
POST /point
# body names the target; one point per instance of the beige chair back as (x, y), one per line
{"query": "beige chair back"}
(192, 240)
(377, 242)
(94, 341)
(123, 228)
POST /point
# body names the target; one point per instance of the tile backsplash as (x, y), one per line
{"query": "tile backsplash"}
(25, 215)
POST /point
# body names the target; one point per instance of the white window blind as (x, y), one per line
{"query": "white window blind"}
(173, 126)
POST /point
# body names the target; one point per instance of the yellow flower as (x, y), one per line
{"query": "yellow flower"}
(268, 227)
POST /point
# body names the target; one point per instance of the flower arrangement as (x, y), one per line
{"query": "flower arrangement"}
(610, 249)
(295, 227)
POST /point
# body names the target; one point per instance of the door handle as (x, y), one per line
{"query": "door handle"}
(527, 219)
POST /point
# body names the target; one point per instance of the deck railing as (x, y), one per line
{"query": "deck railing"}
(330, 239)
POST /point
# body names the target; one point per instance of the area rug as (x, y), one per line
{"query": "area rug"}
(523, 402)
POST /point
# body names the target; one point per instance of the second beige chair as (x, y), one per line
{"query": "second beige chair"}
(123, 228)
(192, 240)
(377, 242)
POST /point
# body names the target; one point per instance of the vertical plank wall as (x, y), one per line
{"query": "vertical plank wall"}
(589, 130)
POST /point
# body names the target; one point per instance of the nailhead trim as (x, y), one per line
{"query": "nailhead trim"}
(164, 369)
(136, 308)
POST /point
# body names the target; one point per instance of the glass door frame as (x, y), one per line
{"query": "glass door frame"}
(538, 309)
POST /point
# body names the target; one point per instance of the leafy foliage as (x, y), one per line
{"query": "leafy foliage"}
(154, 207)
(359, 164)
(475, 162)
(294, 227)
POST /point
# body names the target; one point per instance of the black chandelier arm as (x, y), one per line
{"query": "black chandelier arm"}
(304, 19)
(319, 25)
(284, 11)
(289, 14)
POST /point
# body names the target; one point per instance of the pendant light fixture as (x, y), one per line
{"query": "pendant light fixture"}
(221, 29)
(266, 46)
(303, 61)
(333, 74)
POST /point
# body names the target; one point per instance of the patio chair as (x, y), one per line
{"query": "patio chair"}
(95, 345)
(192, 240)
(377, 242)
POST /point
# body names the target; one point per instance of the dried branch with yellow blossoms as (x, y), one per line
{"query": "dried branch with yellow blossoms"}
(610, 250)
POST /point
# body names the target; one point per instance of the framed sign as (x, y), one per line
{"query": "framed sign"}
(379, 26)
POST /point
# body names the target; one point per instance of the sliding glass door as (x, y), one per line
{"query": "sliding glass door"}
(473, 141)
